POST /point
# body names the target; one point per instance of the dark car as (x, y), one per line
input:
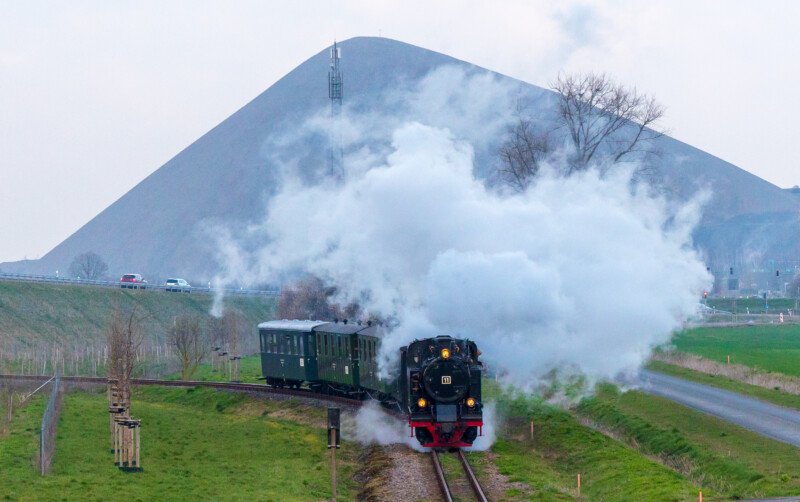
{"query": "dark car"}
(177, 286)
(132, 281)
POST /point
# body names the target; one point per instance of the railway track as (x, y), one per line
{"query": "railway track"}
(241, 387)
(477, 491)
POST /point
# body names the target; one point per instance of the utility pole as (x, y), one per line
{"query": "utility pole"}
(335, 94)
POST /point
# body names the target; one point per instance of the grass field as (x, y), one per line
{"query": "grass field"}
(764, 348)
(197, 444)
(718, 455)
(752, 305)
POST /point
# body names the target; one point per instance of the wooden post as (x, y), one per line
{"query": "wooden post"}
(116, 444)
(130, 444)
(333, 466)
(138, 439)
(531, 430)
(701, 496)
(729, 358)
(579, 485)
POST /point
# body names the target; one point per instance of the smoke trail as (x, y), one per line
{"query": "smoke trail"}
(584, 273)
(581, 272)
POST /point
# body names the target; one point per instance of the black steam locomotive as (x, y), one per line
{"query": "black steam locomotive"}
(438, 384)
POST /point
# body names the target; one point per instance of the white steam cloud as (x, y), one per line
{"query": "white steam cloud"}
(580, 271)
(587, 272)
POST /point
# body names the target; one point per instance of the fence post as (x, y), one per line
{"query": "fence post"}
(46, 437)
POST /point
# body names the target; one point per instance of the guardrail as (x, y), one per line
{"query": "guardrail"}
(148, 287)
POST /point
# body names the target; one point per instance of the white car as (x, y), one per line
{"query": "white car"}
(177, 286)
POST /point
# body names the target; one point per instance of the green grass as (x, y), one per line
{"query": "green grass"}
(561, 448)
(249, 371)
(754, 391)
(763, 348)
(721, 456)
(197, 444)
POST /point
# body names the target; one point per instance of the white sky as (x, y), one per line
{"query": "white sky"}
(96, 95)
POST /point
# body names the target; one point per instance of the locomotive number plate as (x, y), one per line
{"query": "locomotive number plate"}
(446, 380)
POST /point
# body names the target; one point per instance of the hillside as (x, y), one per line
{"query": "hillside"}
(38, 318)
(227, 176)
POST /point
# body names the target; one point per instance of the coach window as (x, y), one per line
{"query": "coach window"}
(302, 348)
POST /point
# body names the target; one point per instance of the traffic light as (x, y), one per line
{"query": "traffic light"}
(705, 294)
(731, 270)
(777, 273)
(765, 295)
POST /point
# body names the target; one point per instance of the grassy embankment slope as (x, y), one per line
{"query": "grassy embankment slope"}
(35, 315)
(197, 444)
(713, 453)
(545, 467)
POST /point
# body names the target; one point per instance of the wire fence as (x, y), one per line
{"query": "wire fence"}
(5, 276)
(47, 439)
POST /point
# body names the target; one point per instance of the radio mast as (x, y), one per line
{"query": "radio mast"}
(335, 164)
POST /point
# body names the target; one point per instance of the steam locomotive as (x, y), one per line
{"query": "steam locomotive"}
(438, 385)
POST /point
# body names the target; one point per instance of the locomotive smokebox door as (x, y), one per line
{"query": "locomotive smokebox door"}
(334, 438)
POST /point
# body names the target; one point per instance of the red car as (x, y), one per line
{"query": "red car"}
(132, 281)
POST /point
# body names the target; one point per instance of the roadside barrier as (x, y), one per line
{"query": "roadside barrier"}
(4, 276)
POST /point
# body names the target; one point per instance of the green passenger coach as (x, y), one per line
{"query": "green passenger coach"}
(331, 357)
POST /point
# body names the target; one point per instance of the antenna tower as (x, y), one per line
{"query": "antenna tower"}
(335, 95)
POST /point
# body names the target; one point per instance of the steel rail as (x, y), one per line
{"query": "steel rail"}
(473, 480)
(437, 467)
(242, 387)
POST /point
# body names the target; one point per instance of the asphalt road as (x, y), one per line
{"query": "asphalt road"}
(776, 422)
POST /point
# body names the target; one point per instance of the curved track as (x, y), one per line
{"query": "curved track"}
(242, 387)
(442, 480)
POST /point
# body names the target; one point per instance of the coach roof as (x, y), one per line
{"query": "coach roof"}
(294, 325)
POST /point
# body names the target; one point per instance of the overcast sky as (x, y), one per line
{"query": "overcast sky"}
(96, 95)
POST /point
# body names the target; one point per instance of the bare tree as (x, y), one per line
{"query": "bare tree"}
(187, 336)
(605, 121)
(311, 299)
(793, 289)
(88, 266)
(522, 154)
(228, 334)
(124, 336)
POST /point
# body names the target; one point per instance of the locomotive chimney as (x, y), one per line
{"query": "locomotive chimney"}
(345, 321)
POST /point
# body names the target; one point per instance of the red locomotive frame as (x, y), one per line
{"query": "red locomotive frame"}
(435, 429)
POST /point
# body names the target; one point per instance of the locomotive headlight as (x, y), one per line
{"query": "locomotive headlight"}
(422, 402)
(445, 353)
(470, 402)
